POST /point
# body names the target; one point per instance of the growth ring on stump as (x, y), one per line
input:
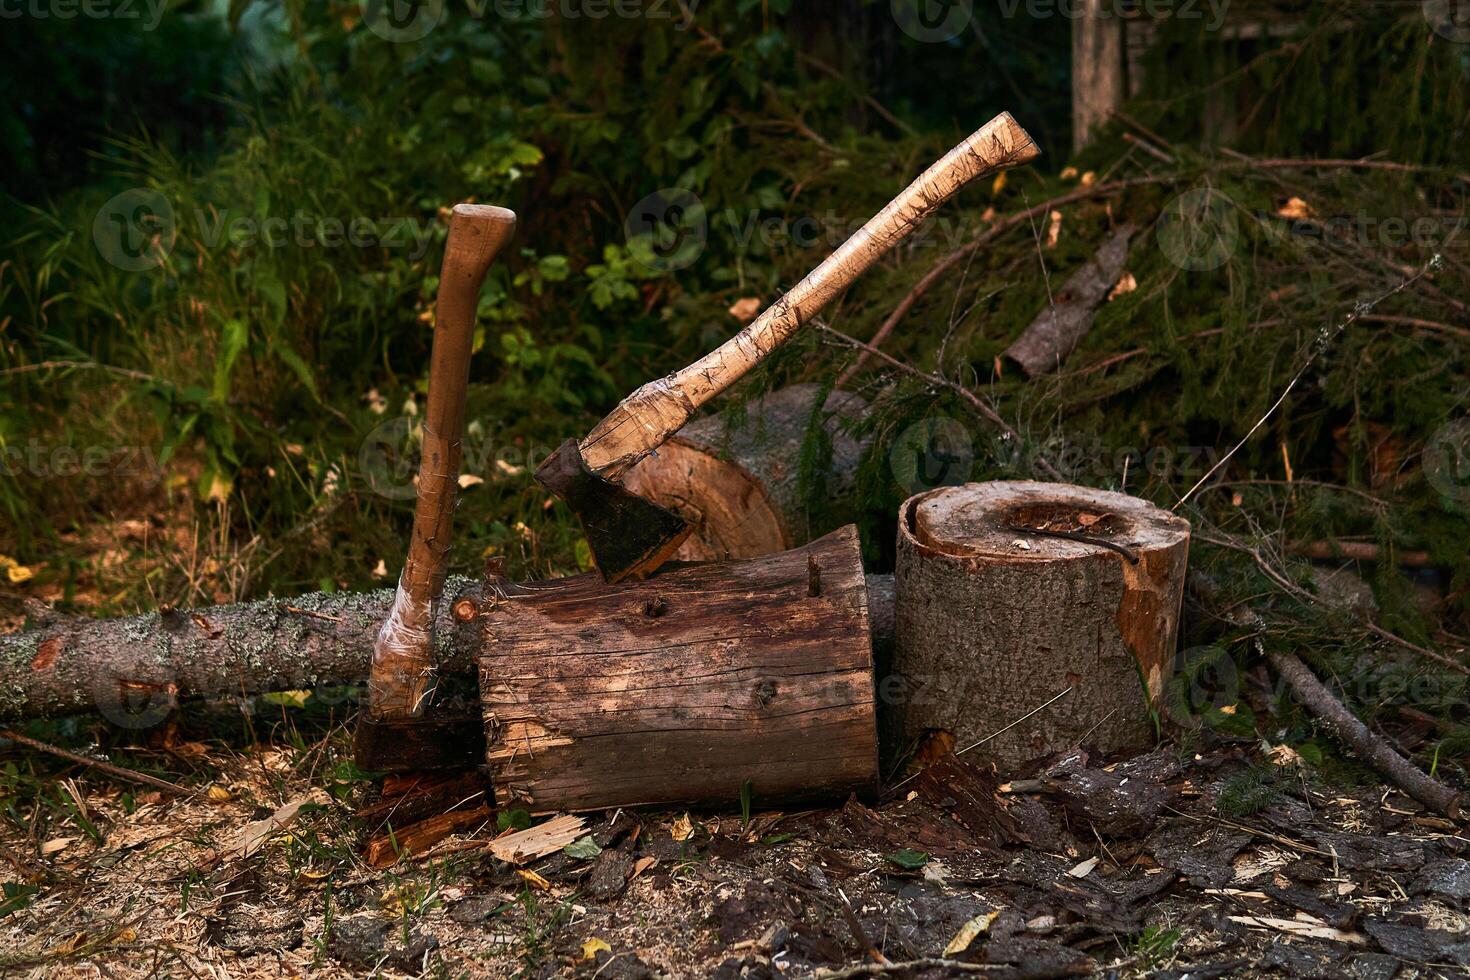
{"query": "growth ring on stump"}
(1009, 593)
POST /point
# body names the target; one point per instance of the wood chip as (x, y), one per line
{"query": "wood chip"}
(253, 836)
(1304, 926)
(538, 841)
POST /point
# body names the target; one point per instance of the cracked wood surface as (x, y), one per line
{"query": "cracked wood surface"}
(685, 686)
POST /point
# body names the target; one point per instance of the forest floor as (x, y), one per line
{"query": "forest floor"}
(1211, 856)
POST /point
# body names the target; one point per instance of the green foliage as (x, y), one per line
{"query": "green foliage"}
(1248, 792)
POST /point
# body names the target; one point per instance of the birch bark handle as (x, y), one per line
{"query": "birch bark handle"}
(401, 682)
(644, 419)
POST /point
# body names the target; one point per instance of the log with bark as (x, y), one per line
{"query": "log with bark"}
(687, 686)
(134, 670)
(1010, 594)
(738, 482)
(1057, 330)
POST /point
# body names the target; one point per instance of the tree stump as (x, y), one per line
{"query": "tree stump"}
(685, 686)
(739, 485)
(1010, 593)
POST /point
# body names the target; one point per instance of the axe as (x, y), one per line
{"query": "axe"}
(631, 537)
(403, 728)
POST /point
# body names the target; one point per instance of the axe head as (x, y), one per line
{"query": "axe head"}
(630, 537)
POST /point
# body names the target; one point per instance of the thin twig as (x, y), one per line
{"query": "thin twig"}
(107, 767)
(976, 744)
(984, 410)
(1359, 311)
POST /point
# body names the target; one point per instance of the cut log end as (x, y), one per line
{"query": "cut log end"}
(1010, 593)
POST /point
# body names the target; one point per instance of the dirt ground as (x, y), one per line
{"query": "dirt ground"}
(1228, 857)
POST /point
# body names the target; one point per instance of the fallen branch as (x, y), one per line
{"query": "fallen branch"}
(1341, 723)
(1057, 330)
(1356, 737)
(107, 767)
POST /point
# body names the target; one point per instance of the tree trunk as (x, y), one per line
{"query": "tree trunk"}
(1098, 69)
(739, 485)
(1010, 593)
(685, 686)
(132, 671)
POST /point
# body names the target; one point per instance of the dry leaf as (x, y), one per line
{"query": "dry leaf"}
(1084, 869)
(56, 844)
(1087, 520)
(745, 308)
(380, 570)
(533, 879)
(15, 572)
(642, 865)
(508, 469)
(1284, 755)
(1054, 229)
(1069, 173)
(1126, 284)
(1296, 209)
(999, 184)
(683, 828)
(219, 794)
(969, 931)
(467, 480)
(592, 947)
(1089, 178)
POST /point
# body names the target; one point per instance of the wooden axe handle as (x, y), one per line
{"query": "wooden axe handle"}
(401, 681)
(644, 419)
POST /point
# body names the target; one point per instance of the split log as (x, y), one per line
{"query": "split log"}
(1010, 593)
(683, 687)
(1058, 329)
(738, 484)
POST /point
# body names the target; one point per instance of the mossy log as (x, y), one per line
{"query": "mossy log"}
(738, 483)
(684, 687)
(1010, 593)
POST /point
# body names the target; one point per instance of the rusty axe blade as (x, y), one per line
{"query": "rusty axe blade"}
(630, 537)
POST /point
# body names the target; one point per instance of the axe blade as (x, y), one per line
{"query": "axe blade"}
(630, 537)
